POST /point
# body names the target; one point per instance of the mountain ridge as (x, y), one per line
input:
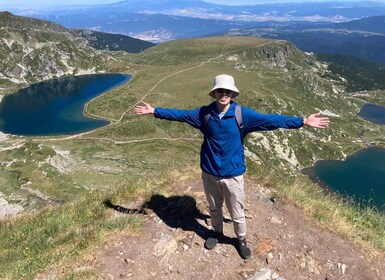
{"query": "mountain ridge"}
(113, 42)
(353, 29)
(363, 38)
(135, 159)
(289, 11)
(33, 50)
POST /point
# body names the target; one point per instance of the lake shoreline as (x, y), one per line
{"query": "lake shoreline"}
(362, 168)
(358, 177)
(57, 107)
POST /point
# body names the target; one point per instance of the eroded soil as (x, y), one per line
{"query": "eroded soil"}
(285, 243)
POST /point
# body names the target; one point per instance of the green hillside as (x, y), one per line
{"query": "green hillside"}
(67, 178)
(113, 42)
(361, 73)
(33, 50)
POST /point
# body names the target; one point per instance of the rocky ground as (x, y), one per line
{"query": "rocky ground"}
(286, 244)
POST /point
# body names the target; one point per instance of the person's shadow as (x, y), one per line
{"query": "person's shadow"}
(176, 212)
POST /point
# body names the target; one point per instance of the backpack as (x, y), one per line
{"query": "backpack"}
(238, 117)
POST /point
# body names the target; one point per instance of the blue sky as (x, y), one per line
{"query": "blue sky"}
(251, 2)
(42, 3)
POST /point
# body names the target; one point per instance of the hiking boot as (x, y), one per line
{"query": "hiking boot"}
(243, 250)
(213, 239)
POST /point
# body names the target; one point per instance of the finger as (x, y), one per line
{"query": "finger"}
(139, 108)
(324, 121)
(315, 114)
(141, 112)
(323, 125)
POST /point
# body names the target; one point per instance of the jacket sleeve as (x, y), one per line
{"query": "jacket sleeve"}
(192, 117)
(254, 121)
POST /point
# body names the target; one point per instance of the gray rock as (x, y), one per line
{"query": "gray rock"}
(263, 274)
(165, 246)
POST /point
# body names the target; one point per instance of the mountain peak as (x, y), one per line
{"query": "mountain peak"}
(33, 50)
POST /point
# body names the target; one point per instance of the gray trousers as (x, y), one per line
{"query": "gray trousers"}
(230, 190)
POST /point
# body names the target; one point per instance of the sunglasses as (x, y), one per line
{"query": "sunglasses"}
(222, 90)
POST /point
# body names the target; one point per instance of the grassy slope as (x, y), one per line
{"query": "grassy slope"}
(33, 50)
(362, 74)
(132, 155)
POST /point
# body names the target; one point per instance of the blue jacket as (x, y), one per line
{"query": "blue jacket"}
(222, 151)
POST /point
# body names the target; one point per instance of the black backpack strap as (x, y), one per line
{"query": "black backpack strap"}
(206, 118)
(238, 117)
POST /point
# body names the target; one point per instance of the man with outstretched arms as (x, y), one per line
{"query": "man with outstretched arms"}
(222, 158)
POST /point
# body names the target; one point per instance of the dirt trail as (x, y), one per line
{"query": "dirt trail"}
(285, 244)
(129, 109)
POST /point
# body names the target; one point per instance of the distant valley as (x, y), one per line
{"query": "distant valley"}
(362, 38)
(64, 181)
(342, 28)
(121, 13)
(278, 76)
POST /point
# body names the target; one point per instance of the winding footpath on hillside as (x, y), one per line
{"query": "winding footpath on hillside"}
(286, 244)
(12, 143)
(80, 136)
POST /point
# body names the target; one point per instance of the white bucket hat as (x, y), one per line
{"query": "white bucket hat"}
(226, 82)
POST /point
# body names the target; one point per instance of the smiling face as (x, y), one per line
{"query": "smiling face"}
(223, 98)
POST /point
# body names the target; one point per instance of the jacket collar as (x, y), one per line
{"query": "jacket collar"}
(230, 112)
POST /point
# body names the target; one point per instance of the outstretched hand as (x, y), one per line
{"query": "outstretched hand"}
(315, 121)
(144, 110)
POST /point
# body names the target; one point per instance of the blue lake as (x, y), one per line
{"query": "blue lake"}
(373, 113)
(56, 106)
(362, 175)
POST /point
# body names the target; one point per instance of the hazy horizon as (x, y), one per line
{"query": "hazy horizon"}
(18, 4)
